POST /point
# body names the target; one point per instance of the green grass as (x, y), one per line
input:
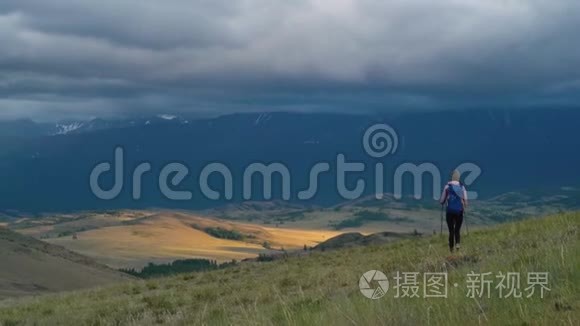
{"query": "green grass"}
(323, 288)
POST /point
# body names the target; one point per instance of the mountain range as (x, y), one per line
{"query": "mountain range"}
(46, 166)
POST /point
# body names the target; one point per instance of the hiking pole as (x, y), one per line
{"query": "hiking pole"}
(441, 232)
(465, 220)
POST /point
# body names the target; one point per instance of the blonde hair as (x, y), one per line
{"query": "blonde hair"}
(455, 176)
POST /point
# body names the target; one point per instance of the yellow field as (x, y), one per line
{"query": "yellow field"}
(131, 239)
(168, 236)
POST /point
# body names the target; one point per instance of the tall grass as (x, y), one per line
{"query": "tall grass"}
(322, 289)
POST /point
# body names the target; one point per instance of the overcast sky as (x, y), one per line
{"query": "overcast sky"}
(66, 59)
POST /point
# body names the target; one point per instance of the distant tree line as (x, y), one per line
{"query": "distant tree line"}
(222, 233)
(177, 267)
(69, 233)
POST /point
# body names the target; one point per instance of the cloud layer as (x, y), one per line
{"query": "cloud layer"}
(79, 58)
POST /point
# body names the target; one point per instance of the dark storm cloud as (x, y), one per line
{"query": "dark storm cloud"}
(78, 58)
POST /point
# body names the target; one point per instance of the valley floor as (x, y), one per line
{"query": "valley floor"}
(134, 239)
(323, 288)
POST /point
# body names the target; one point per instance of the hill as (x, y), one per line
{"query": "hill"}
(132, 239)
(29, 266)
(323, 288)
(356, 239)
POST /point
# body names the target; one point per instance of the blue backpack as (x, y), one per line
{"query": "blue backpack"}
(454, 200)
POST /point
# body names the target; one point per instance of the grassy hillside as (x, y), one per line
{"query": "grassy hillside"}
(133, 239)
(29, 266)
(323, 288)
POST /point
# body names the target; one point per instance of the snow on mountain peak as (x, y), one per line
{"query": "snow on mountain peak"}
(167, 116)
(64, 129)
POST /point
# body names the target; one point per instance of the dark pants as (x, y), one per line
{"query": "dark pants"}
(454, 221)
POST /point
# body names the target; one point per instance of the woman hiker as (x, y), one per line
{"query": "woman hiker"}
(455, 196)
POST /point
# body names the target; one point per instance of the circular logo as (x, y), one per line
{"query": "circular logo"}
(380, 140)
(373, 277)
